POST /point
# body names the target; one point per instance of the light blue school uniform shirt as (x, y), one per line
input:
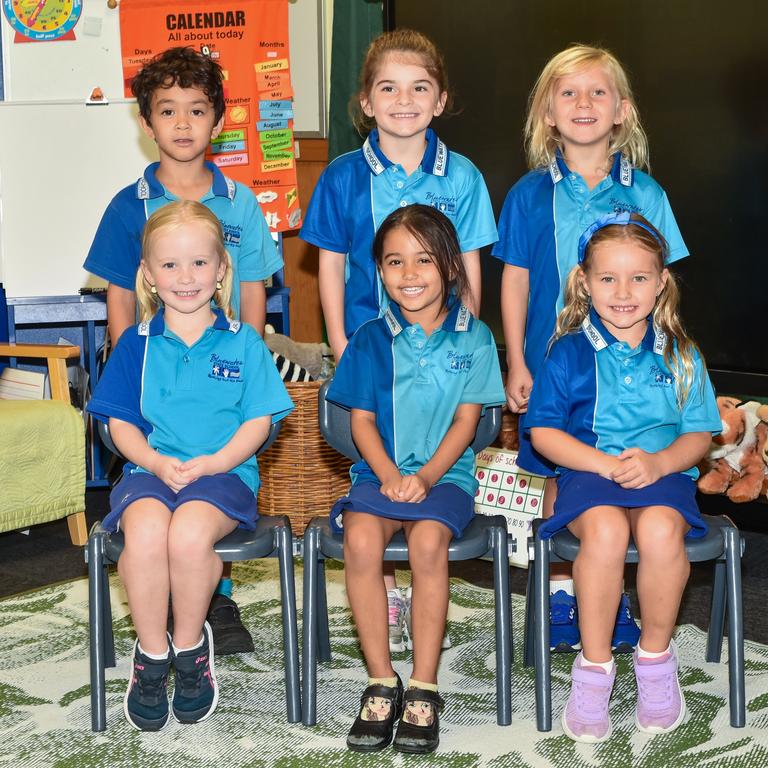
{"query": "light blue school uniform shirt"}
(358, 190)
(544, 215)
(116, 249)
(612, 397)
(190, 400)
(414, 383)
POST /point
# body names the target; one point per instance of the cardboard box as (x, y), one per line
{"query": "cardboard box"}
(507, 490)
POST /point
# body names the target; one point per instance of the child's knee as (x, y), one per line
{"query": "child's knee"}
(659, 530)
(361, 546)
(427, 548)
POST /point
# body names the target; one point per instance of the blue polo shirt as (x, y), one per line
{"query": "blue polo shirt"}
(414, 383)
(544, 216)
(358, 190)
(190, 401)
(612, 397)
(116, 249)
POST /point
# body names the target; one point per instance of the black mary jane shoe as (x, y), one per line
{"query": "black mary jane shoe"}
(373, 735)
(419, 739)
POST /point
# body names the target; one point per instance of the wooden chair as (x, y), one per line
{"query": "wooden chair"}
(55, 356)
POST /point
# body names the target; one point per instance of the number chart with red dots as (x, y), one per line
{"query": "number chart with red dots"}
(507, 490)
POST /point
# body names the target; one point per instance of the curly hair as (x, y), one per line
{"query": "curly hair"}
(182, 66)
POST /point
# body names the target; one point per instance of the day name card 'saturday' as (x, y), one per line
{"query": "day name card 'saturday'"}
(249, 40)
(507, 490)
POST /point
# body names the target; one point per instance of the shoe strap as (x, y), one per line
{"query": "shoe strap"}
(419, 694)
(380, 691)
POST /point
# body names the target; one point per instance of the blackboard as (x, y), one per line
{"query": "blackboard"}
(697, 68)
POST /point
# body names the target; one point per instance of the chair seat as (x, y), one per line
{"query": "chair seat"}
(475, 543)
(709, 547)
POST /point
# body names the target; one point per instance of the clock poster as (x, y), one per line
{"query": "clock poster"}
(249, 39)
(38, 21)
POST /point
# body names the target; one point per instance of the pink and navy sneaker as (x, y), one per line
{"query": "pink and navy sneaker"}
(660, 701)
(585, 717)
(196, 692)
(146, 699)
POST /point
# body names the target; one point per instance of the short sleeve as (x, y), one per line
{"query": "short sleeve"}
(484, 385)
(475, 222)
(700, 412)
(549, 405)
(663, 219)
(512, 247)
(352, 385)
(118, 392)
(259, 257)
(325, 221)
(115, 252)
(264, 393)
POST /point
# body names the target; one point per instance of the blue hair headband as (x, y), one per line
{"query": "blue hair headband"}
(622, 219)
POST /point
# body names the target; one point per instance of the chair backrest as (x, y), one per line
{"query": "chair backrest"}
(335, 426)
(103, 430)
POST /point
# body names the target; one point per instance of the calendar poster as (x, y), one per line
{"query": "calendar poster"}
(507, 490)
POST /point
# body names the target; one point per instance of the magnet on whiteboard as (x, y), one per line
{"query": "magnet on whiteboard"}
(97, 97)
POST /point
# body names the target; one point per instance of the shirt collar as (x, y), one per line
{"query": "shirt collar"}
(156, 326)
(148, 186)
(458, 319)
(600, 337)
(621, 169)
(434, 160)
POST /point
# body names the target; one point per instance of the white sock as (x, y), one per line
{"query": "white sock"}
(566, 585)
(606, 666)
(641, 654)
(191, 648)
(154, 656)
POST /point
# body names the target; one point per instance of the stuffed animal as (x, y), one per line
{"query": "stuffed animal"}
(735, 463)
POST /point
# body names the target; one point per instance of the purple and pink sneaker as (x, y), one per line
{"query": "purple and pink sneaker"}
(660, 701)
(585, 717)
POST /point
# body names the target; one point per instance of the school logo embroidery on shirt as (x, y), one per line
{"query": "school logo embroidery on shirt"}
(231, 234)
(225, 370)
(622, 206)
(443, 203)
(660, 377)
(459, 362)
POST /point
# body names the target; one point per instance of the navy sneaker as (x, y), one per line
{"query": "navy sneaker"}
(146, 700)
(626, 633)
(564, 636)
(195, 693)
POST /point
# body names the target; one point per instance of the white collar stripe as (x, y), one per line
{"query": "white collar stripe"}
(462, 319)
(391, 320)
(555, 172)
(374, 163)
(594, 336)
(441, 158)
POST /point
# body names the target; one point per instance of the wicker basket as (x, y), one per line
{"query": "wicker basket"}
(301, 475)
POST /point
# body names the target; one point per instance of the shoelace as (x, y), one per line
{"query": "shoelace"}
(656, 691)
(591, 700)
(151, 688)
(561, 613)
(233, 610)
(190, 679)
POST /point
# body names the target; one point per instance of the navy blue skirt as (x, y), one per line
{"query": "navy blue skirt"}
(579, 491)
(446, 503)
(224, 491)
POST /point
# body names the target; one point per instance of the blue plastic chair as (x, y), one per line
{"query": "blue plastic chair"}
(485, 537)
(272, 538)
(722, 544)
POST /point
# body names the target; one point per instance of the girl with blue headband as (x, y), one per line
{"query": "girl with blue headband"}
(623, 406)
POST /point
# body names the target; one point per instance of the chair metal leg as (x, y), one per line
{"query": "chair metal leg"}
(106, 615)
(96, 576)
(323, 631)
(529, 641)
(503, 627)
(290, 632)
(541, 651)
(717, 613)
(309, 629)
(735, 628)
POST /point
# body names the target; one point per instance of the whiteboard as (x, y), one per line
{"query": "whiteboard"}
(60, 165)
(70, 69)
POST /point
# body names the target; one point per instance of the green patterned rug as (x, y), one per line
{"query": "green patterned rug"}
(45, 718)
